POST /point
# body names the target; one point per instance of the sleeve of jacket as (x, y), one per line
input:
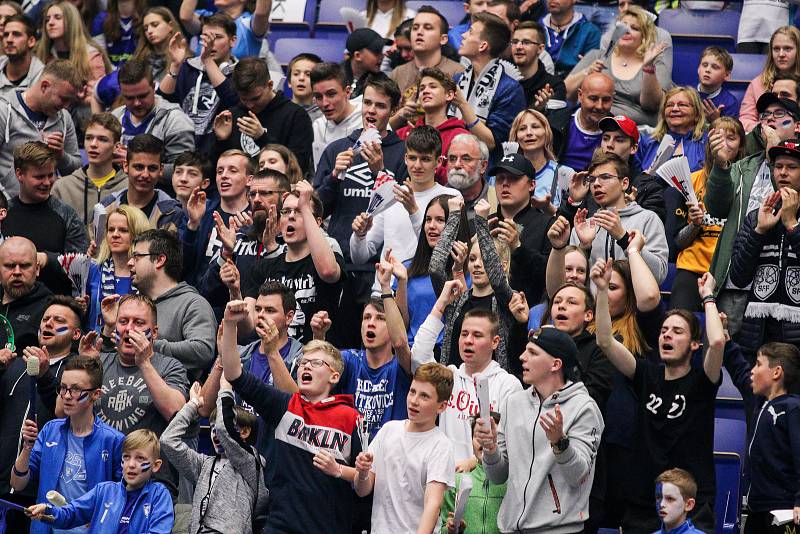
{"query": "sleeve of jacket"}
(76, 240)
(598, 377)
(424, 342)
(178, 135)
(650, 195)
(162, 515)
(188, 462)
(47, 388)
(362, 249)
(327, 185)
(238, 452)
(656, 253)
(584, 438)
(719, 195)
(268, 402)
(496, 464)
(441, 252)
(493, 264)
(78, 512)
(738, 369)
(746, 251)
(198, 329)
(71, 159)
(302, 139)
(227, 95)
(529, 264)
(506, 107)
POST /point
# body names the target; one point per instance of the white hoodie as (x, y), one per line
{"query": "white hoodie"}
(463, 404)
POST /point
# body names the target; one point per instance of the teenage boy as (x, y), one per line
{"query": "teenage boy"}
(135, 504)
(340, 115)
(57, 226)
(364, 48)
(527, 44)
(262, 117)
(546, 442)
(192, 170)
(774, 455)
(308, 265)
(397, 228)
(714, 69)
(201, 85)
(436, 92)
(676, 399)
(471, 8)
(569, 35)
(81, 451)
(478, 339)
(317, 435)
(299, 81)
(346, 197)
(250, 28)
(786, 85)
(88, 185)
(676, 493)
(763, 257)
(488, 97)
(606, 234)
(408, 494)
(39, 113)
(19, 66)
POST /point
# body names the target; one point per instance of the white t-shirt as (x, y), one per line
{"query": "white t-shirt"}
(404, 462)
(326, 132)
(383, 20)
(760, 19)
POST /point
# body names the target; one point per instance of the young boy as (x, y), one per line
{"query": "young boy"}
(675, 498)
(228, 486)
(192, 169)
(299, 82)
(715, 68)
(317, 435)
(134, 505)
(410, 463)
(80, 452)
(774, 450)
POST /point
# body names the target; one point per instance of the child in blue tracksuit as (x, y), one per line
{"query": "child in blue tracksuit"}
(136, 505)
(74, 454)
(676, 491)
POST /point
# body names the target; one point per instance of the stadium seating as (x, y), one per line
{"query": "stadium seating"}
(329, 21)
(693, 30)
(452, 11)
(286, 49)
(280, 30)
(728, 468)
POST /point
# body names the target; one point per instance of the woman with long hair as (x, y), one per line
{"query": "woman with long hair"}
(681, 117)
(279, 158)
(532, 132)
(782, 56)
(639, 64)
(384, 16)
(119, 29)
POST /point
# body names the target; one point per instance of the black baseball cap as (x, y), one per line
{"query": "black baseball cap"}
(365, 38)
(790, 147)
(767, 99)
(559, 345)
(516, 164)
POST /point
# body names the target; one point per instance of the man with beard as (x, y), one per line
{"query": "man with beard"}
(467, 161)
(19, 67)
(59, 328)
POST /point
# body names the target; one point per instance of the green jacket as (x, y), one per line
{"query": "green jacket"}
(727, 195)
(483, 505)
(753, 142)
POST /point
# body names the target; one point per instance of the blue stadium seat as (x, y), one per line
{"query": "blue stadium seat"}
(693, 30)
(329, 22)
(730, 435)
(286, 49)
(608, 531)
(745, 68)
(280, 30)
(727, 466)
(727, 390)
(452, 11)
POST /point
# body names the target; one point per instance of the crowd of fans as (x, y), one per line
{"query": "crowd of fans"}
(434, 266)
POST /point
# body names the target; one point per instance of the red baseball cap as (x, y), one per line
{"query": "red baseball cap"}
(622, 123)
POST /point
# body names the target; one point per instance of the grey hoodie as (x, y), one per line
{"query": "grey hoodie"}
(79, 192)
(187, 328)
(16, 128)
(546, 492)
(34, 71)
(634, 217)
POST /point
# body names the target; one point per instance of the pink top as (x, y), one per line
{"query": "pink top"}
(747, 111)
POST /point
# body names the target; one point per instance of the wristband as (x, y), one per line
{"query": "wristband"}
(623, 241)
(19, 473)
(472, 125)
(387, 296)
(562, 247)
(171, 75)
(709, 298)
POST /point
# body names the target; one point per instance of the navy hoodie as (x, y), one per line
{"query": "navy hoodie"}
(345, 199)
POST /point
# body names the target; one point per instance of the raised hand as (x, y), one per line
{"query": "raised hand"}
(486, 435)
(325, 462)
(711, 111)
(195, 394)
(223, 125)
(230, 276)
(177, 50)
(30, 431)
(542, 97)
(250, 125)
(767, 218)
(585, 231)
(507, 232)
(578, 186)
(653, 52)
(459, 254)
(108, 308)
(343, 162)
(235, 311)
(271, 229)
(90, 345)
(405, 196)
(39, 352)
(601, 273)
(361, 225)
(696, 214)
(609, 220)
(451, 292)
(225, 232)
(482, 208)
(304, 189)
(372, 152)
(558, 233)
(196, 207)
(518, 306)
(142, 347)
(320, 324)
(790, 201)
(455, 203)
(706, 285)
(364, 464)
(268, 332)
(636, 240)
(6, 356)
(383, 270)
(552, 422)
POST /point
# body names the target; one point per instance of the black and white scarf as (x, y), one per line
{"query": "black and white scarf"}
(482, 93)
(775, 291)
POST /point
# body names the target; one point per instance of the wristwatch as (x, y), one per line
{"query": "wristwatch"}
(560, 445)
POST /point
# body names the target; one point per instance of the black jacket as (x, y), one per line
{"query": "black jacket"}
(596, 371)
(529, 261)
(532, 85)
(25, 314)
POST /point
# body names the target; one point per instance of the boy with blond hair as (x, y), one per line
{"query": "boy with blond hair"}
(135, 504)
(676, 492)
(714, 69)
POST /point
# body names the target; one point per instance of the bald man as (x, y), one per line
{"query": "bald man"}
(576, 136)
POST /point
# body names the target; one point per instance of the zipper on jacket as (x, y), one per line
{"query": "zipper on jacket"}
(485, 502)
(533, 459)
(553, 490)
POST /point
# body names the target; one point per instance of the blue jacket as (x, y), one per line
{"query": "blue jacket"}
(102, 507)
(693, 149)
(581, 37)
(102, 450)
(686, 528)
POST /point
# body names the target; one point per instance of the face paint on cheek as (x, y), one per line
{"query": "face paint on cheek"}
(144, 466)
(148, 334)
(659, 496)
(83, 396)
(62, 330)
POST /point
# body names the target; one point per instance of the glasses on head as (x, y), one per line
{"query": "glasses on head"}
(601, 177)
(256, 193)
(74, 392)
(776, 114)
(285, 212)
(315, 363)
(137, 255)
(524, 42)
(466, 159)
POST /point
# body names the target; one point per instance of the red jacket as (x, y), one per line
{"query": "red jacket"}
(448, 130)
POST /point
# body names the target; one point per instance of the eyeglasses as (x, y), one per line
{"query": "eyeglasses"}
(679, 105)
(256, 193)
(137, 255)
(601, 177)
(74, 392)
(285, 212)
(315, 363)
(776, 114)
(466, 159)
(523, 42)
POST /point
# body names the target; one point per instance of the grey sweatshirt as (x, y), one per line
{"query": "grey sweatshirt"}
(634, 217)
(187, 328)
(16, 129)
(34, 71)
(546, 492)
(239, 487)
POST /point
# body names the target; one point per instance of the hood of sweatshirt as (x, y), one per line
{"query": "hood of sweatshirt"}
(572, 391)
(490, 371)
(179, 290)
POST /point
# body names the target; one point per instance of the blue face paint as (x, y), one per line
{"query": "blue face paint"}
(83, 396)
(148, 333)
(58, 331)
(786, 123)
(659, 495)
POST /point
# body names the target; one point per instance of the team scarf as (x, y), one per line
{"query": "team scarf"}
(108, 283)
(482, 94)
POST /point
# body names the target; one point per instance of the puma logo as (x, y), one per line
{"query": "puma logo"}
(774, 415)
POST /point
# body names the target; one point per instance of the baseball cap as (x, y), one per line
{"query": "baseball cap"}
(622, 123)
(516, 164)
(790, 147)
(767, 99)
(559, 345)
(365, 38)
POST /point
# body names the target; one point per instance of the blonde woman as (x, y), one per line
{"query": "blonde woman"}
(782, 57)
(639, 64)
(384, 16)
(682, 118)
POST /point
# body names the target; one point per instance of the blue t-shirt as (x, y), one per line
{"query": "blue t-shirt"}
(247, 42)
(380, 394)
(125, 519)
(259, 365)
(580, 145)
(72, 482)
(38, 119)
(723, 97)
(544, 183)
(130, 130)
(122, 49)
(554, 41)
